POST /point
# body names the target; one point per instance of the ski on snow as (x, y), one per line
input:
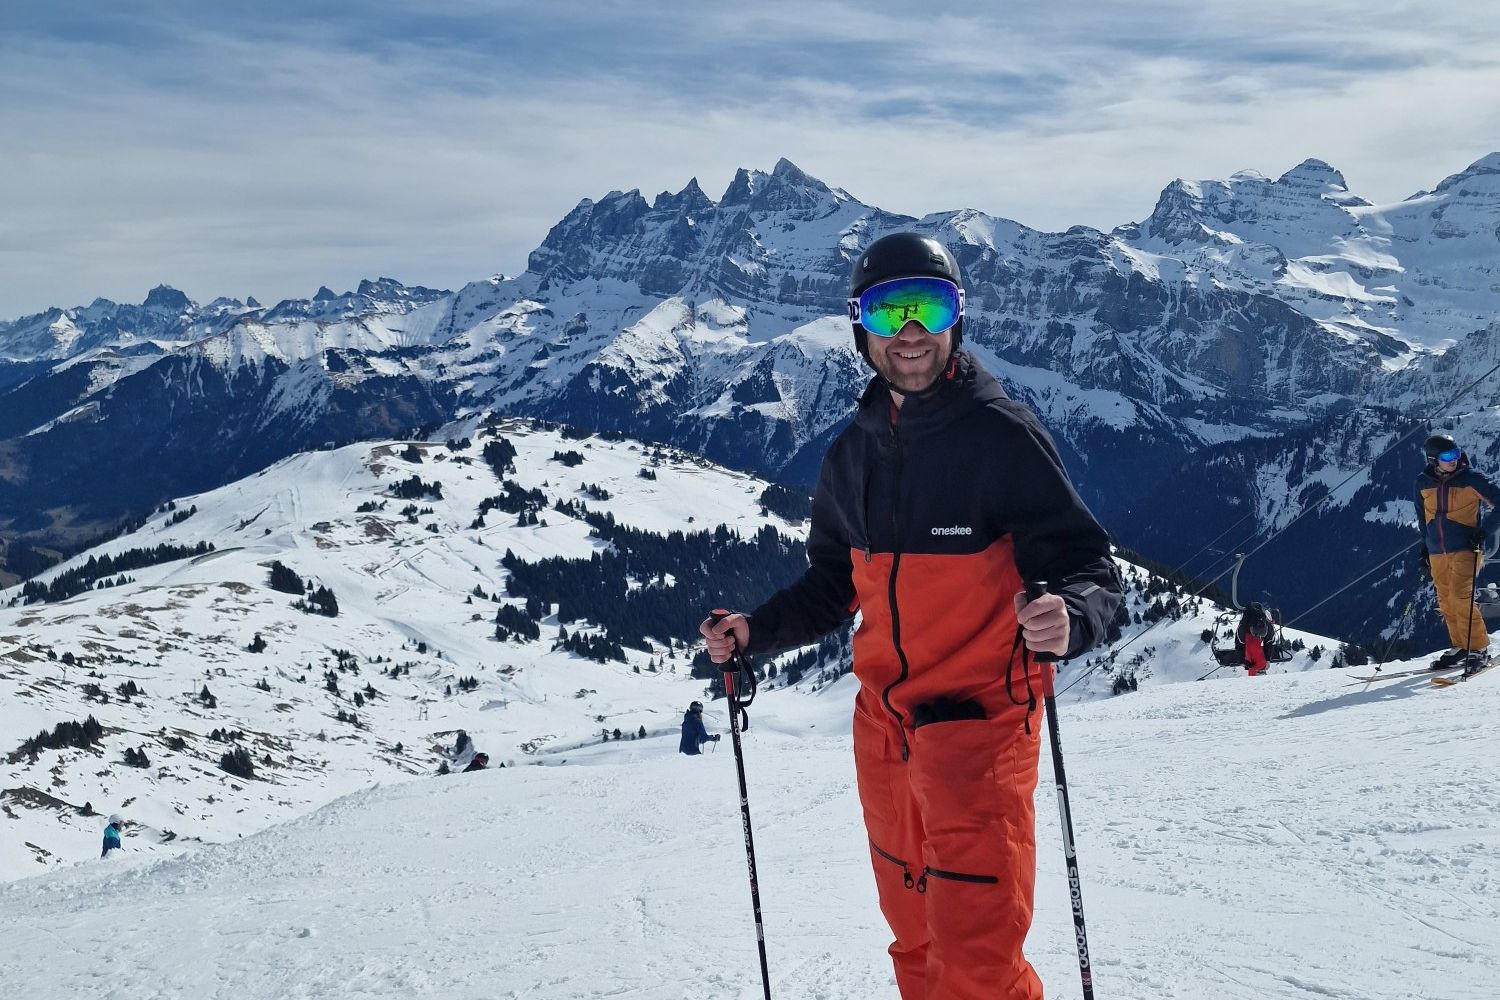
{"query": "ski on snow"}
(1418, 672)
(1470, 675)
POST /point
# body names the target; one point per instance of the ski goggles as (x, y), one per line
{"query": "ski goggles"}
(1451, 455)
(884, 308)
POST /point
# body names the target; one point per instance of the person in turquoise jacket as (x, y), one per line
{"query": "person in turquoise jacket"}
(112, 835)
(694, 735)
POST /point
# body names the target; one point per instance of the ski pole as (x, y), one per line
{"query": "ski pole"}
(732, 668)
(1396, 632)
(1469, 629)
(1034, 590)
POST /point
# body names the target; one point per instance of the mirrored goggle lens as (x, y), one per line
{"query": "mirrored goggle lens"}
(1449, 456)
(885, 308)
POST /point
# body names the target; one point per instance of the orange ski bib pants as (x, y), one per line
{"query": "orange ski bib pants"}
(949, 804)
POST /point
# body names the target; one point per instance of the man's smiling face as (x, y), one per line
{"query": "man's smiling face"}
(913, 359)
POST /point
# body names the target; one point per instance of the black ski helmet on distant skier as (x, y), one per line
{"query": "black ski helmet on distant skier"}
(1257, 622)
(901, 255)
(1437, 444)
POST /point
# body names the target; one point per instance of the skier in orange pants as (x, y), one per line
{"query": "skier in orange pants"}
(932, 509)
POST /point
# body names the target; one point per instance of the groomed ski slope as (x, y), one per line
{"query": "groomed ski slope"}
(1288, 837)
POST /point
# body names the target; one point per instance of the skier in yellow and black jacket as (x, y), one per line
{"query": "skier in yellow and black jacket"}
(1450, 497)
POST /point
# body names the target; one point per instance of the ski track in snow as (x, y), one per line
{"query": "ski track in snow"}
(1239, 840)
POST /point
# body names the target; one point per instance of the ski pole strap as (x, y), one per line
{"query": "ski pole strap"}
(1048, 661)
(738, 676)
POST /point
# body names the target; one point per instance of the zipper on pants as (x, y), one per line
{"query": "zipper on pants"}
(906, 877)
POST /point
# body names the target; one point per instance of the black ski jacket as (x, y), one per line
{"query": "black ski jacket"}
(929, 525)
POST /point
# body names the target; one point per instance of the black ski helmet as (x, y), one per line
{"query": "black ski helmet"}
(901, 255)
(696, 706)
(1257, 622)
(1437, 444)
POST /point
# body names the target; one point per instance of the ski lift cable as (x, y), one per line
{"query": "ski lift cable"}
(1405, 547)
(1403, 550)
(1307, 509)
(1421, 422)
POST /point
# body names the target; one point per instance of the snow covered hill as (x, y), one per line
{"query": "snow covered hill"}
(417, 585)
(189, 659)
(1297, 838)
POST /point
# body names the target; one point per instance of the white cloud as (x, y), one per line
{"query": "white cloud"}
(249, 162)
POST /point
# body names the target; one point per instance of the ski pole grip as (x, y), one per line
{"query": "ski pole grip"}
(730, 667)
(1035, 589)
(716, 616)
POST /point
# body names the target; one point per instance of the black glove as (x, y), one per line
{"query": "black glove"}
(1422, 560)
(717, 737)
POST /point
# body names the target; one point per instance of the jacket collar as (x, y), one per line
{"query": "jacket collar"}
(965, 386)
(1440, 475)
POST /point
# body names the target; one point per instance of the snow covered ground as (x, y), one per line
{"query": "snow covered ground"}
(405, 586)
(1291, 837)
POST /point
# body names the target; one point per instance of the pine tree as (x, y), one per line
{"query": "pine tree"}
(238, 763)
(286, 580)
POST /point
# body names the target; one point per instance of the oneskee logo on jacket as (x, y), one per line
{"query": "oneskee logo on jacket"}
(957, 529)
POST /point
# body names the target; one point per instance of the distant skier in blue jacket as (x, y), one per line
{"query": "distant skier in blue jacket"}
(112, 835)
(693, 733)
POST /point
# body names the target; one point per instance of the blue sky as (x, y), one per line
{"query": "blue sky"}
(283, 145)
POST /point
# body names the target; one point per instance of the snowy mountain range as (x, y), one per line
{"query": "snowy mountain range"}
(437, 554)
(1246, 347)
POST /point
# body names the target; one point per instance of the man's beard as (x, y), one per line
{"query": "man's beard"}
(912, 381)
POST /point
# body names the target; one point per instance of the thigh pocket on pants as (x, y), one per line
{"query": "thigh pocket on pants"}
(963, 802)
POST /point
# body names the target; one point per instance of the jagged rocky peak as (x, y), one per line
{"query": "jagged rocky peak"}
(1486, 169)
(251, 302)
(1315, 175)
(167, 298)
(613, 215)
(1178, 212)
(1487, 164)
(787, 172)
(380, 288)
(390, 290)
(690, 199)
(566, 250)
(786, 188)
(325, 294)
(742, 188)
